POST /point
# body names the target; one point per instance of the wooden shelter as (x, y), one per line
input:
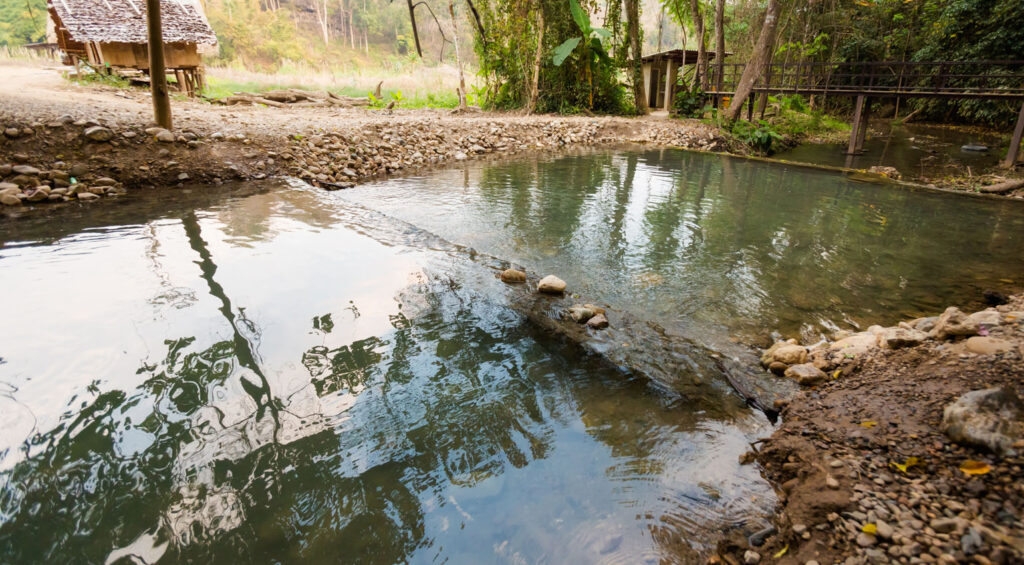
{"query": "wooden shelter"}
(111, 34)
(661, 71)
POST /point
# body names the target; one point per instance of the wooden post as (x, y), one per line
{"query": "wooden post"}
(857, 133)
(670, 81)
(157, 71)
(1018, 132)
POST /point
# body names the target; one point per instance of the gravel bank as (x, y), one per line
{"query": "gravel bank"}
(61, 143)
(875, 464)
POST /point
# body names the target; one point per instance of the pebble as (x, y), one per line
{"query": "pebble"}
(513, 276)
(751, 557)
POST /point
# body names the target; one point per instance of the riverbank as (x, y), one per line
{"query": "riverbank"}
(865, 462)
(62, 142)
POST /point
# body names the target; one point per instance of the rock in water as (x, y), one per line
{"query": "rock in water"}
(991, 418)
(953, 323)
(806, 374)
(513, 276)
(99, 133)
(580, 313)
(551, 285)
(598, 322)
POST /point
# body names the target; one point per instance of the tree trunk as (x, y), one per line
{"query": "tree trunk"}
(700, 76)
(351, 25)
(321, 17)
(757, 64)
(537, 60)
(458, 58)
(661, 26)
(636, 63)
(719, 44)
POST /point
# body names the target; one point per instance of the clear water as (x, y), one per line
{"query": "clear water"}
(722, 248)
(271, 373)
(915, 150)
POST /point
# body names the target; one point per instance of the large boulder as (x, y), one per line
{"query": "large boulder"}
(896, 338)
(806, 374)
(856, 345)
(791, 354)
(953, 323)
(983, 345)
(992, 418)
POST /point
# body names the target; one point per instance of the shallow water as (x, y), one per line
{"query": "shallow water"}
(273, 373)
(915, 150)
(722, 248)
(270, 374)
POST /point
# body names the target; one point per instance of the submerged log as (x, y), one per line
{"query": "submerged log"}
(1003, 187)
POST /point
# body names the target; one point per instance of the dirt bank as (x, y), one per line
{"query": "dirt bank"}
(61, 142)
(864, 469)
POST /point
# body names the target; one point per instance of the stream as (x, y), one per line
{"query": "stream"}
(270, 373)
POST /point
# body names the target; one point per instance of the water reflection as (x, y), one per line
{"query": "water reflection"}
(326, 396)
(718, 247)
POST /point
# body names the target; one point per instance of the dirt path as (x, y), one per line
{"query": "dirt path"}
(102, 136)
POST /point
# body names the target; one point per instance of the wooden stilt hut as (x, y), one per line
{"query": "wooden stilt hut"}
(110, 35)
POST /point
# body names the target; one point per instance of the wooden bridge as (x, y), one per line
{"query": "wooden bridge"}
(955, 80)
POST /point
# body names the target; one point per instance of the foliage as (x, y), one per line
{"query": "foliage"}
(591, 53)
(578, 84)
(689, 103)
(22, 21)
(760, 136)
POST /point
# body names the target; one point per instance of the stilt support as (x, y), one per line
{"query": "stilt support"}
(1018, 132)
(860, 125)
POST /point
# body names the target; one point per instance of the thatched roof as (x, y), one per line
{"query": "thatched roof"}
(124, 21)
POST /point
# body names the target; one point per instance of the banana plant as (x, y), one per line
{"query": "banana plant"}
(591, 49)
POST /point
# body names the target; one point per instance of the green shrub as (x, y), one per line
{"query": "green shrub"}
(689, 103)
(760, 136)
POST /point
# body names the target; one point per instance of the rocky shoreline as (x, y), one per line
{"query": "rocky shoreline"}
(906, 445)
(66, 158)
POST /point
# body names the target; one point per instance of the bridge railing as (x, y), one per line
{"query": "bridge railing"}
(953, 79)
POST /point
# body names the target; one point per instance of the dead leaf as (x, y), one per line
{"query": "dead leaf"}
(972, 467)
(836, 374)
(910, 462)
(870, 529)
(781, 552)
(868, 424)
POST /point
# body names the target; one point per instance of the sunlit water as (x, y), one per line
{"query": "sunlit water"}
(721, 247)
(272, 373)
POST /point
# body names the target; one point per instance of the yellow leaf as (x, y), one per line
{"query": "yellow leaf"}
(868, 424)
(870, 529)
(972, 467)
(781, 552)
(910, 462)
(836, 374)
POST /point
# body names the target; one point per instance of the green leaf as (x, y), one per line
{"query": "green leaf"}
(602, 32)
(563, 50)
(598, 48)
(581, 17)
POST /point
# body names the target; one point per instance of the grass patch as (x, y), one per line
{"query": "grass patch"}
(219, 88)
(794, 118)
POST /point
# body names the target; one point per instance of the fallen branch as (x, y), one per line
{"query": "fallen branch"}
(1002, 187)
(244, 99)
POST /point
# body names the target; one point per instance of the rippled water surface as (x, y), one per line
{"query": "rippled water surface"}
(270, 373)
(273, 374)
(723, 247)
